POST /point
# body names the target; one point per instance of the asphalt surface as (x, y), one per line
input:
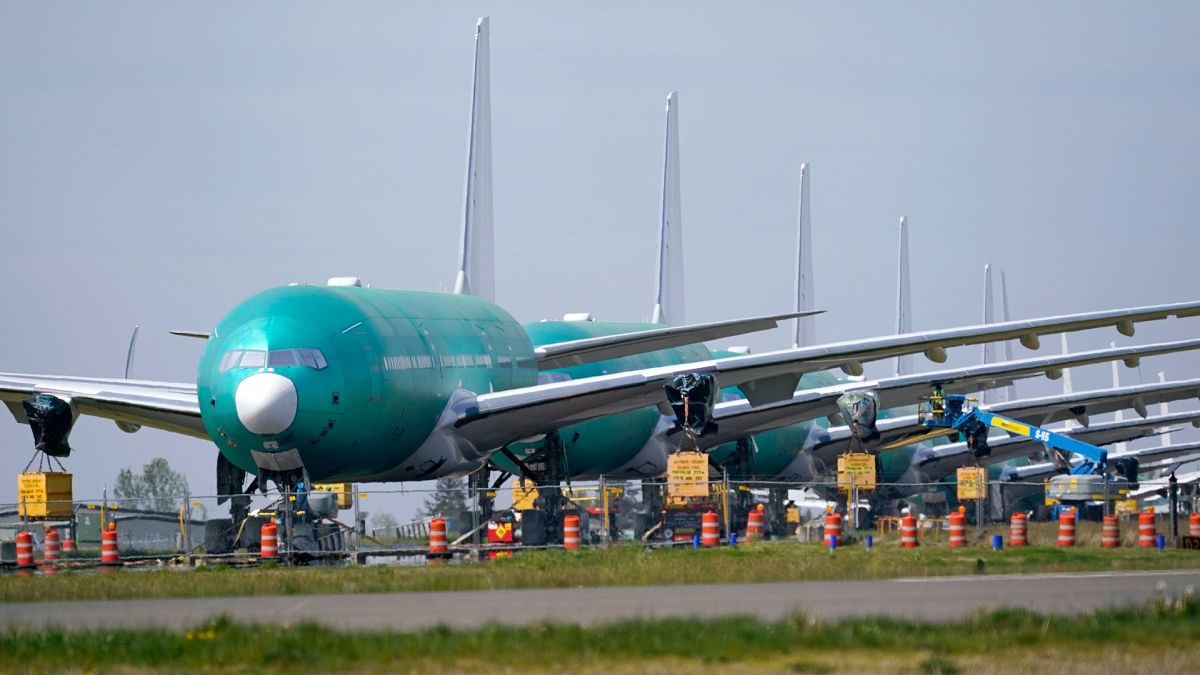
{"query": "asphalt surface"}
(931, 599)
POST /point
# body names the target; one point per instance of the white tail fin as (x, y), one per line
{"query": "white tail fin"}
(668, 301)
(805, 333)
(903, 298)
(477, 265)
(989, 348)
(1010, 392)
(1162, 410)
(1067, 387)
(1116, 382)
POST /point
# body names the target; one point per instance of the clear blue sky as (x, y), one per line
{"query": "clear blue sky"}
(161, 162)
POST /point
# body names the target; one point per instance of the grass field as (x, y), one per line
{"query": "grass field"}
(1163, 637)
(619, 565)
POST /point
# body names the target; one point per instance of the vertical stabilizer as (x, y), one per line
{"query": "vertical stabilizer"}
(668, 301)
(1162, 410)
(1116, 382)
(476, 270)
(806, 327)
(1010, 392)
(1067, 387)
(989, 348)
(903, 298)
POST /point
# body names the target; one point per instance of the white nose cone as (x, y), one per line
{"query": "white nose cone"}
(266, 403)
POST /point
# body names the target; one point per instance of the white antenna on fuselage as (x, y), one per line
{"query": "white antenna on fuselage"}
(477, 267)
(903, 298)
(668, 296)
(805, 333)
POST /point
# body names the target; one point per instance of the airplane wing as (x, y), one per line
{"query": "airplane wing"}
(493, 420)
(1157, 485)
(602, 348)
(1167, 453)
(161, 405)
(735, 419)
(937, 463)
(906, 430)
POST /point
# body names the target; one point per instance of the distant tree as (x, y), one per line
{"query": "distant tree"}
(156, 488)
(449, 501)
(383, 521)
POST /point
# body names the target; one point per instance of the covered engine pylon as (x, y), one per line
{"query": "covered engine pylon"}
(860, 410)
(51, 419)
(692, 398)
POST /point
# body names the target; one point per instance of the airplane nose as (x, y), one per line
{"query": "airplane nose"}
(266, 403)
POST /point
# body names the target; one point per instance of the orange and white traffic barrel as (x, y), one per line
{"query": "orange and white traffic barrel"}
(710, 529)
(68, 545)
(50, 546)
(269, 546)
(1110, 534)
(108, 545)
(24, 550)
(958, 530)
(571, 532)
(1018, 530)
(908, 532)
(1194, 525)
(833, 527)
(1147, 532)
(755, 525)
(1066, 527)
(437, 538)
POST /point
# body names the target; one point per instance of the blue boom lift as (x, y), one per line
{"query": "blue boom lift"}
(1091, 479)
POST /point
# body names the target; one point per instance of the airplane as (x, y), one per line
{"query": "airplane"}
(344, 382)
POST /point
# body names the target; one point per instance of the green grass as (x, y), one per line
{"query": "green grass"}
(617, 566)
(1010, 638)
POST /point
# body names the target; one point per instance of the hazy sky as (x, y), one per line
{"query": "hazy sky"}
(161, 162)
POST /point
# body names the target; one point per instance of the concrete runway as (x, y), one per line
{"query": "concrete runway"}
(934, 598)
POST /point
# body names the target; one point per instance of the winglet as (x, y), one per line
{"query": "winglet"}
(988, 349)
(1162, 410)
(476, 271)
(129, 354)
(1119, 416)
(668, 298)
(806, 327)
(903, 298)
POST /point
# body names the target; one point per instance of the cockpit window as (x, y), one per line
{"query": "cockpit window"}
(276, 358)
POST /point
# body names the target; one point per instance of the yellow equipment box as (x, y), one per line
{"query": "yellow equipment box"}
(856, 470)
(972, 482)
(345, 492)
(44, 494)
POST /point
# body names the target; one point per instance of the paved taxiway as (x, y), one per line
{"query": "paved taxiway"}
(934, 598)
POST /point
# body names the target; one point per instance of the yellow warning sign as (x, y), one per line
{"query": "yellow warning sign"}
(856, 470)
(687, 474)
(1122, 507)
(972, 482)
(524, 495)
(44, 494)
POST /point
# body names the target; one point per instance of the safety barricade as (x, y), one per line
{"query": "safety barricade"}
(1110, 534)
(24, 550)
(437, 538)
(269, 547)
(571, 532)
(1066, 528)
(108, 546)
(1018, 530)
(755, 525)
(68, 545)
(710, 529)
(1194, 525)
(958, 530)
(1147, 532)
(50, 546)
(833, 527)
(908, 532)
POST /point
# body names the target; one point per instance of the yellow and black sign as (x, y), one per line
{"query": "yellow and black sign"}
(972, 482)
(1125, 506)
(524, 494)
(345, 492)
(44, 494)
(856, 469)
(687, 474)
(1190, 543)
